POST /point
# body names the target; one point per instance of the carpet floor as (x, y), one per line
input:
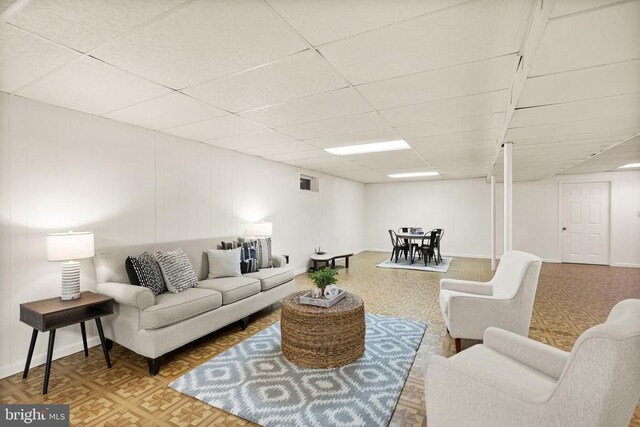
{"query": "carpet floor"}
(570, 299)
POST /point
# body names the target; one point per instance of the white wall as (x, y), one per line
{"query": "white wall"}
(61, 169)
(462, 208)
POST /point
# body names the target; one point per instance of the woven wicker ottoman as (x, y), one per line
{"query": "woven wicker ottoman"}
(318, 337)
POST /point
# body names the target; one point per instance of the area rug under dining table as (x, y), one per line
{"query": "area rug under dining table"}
(254, 381)
(442, 267)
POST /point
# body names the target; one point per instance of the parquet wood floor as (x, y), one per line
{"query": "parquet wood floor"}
(570, 299)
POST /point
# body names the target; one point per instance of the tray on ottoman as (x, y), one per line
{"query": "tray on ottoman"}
(307, 299)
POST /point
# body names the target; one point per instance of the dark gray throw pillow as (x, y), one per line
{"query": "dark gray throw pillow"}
(131, 272)
(177, 270)
(248, 257)
(148, 272)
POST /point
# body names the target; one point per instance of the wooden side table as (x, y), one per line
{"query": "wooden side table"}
(53, 313)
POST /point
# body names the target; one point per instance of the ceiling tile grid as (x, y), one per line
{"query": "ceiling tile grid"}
(285, 79)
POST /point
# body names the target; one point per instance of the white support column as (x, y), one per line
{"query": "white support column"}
(508, 205)
(493, 223)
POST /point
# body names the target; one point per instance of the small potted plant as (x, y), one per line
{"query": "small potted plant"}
(322, 279)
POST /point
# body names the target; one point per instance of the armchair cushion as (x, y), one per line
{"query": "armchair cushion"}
(493, 369)
(134, 296)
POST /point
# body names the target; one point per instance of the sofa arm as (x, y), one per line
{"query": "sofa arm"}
(478, 288)
(278, 260)
(137, 297)
(541, 357)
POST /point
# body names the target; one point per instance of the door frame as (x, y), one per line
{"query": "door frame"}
(608, 181)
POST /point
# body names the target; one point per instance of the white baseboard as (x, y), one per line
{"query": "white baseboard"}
(40, 359)
(625, 264)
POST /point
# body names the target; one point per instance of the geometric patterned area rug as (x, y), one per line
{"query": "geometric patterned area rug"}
(442, 266)
(254, 381)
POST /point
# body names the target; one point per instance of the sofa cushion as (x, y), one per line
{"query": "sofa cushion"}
(272, 277)
(232, 288)
(172, 308)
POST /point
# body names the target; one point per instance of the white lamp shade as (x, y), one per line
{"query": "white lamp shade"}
(259, 229)
(69, 246)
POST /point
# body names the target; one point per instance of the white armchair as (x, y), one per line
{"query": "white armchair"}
(510, 380)
(506, 301)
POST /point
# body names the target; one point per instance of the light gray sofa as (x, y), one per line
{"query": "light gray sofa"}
(155, 325)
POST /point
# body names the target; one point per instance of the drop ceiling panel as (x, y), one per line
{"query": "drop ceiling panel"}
(463, 124)
(452, 108)
(83, 25)
(565, 7)
(286, 147)
(354, 138)
(580, 110)
(351, 123)
(220, 127)
(300, 155)
(25, 57)
(622, 154)
(596, 82)
(599, 37)
(486, 136)
(326, 162)
(324, 106)
(202, 41)
(92, 86)
(469, 79)
(322, 21)
(239, 142)
(600, 135)
(613, 124)
(167, 111)
(470, 32)
(296, 76)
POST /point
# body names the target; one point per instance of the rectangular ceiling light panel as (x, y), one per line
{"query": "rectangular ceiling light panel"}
(413, 174)
(375, 147)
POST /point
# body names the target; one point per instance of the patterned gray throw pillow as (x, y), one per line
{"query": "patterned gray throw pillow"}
(148, 272)
(177, 270)
(264, 252)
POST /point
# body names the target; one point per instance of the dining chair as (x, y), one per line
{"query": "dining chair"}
(398, 246)
(428, 249)
(440, 234)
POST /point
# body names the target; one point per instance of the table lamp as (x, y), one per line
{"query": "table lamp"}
(70, 247)
(259, 229)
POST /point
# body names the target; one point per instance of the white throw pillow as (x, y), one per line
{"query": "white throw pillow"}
(224, 263)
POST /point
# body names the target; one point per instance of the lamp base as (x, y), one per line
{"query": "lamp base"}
(70, 280)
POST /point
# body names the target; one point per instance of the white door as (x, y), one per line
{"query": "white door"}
(585, 222)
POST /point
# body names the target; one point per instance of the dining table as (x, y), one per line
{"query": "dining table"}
(411, 237)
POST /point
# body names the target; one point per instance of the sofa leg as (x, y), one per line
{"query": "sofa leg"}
(154, 366)
(458, 345)
(244, 322)
(108, 343)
